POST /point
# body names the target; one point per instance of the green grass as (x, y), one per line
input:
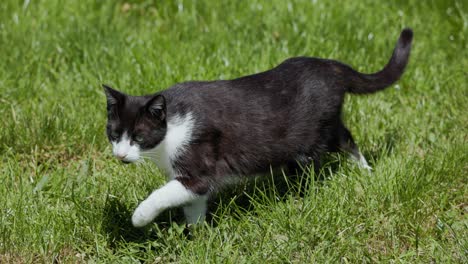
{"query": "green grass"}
(64, 198)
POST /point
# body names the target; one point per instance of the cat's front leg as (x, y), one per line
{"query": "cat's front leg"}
(172, 194)
(195, 211)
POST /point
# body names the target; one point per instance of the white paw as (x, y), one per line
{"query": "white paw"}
(144, 214)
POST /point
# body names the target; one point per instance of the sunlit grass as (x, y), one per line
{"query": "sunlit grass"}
(64, 198)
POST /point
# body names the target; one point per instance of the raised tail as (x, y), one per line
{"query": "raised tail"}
(361, 83)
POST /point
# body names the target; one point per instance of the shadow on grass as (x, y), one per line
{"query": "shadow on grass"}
(116, 223)
(279, 184)
(116, 216)
(296, 182)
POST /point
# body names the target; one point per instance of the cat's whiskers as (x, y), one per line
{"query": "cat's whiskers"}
(145, 157)
(150, 154)
(140, 161)
(148, 157)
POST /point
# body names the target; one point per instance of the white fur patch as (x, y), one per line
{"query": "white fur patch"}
(363, 162)
(178, 135)
(123, 150)
(172, 194)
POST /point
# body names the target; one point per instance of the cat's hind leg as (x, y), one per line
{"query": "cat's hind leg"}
(303, 161)
(344, 142)
(172, 194)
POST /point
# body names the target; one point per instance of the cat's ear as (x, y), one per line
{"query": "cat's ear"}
(156, 106)
(114, 97)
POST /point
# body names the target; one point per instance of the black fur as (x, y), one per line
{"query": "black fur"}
(248, 125)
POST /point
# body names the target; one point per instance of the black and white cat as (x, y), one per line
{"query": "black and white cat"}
(205, 134)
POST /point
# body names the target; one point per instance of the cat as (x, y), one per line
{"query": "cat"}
(205, 134)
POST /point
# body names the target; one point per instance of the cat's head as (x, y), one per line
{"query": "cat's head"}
(134, 123)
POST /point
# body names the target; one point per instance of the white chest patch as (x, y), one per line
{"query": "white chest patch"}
(178, 135)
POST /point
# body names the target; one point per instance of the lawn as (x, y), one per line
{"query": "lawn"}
(64, 198)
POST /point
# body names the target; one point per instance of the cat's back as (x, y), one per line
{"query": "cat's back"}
(296, 83)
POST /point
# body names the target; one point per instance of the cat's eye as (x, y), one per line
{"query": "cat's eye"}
(138, 138)
(114, 135)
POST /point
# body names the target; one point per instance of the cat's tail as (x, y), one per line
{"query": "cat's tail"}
(360, 83)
